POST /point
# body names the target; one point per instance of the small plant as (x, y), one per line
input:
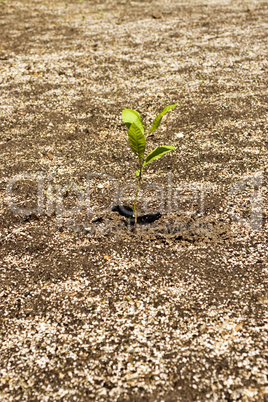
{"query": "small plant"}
(137, 140)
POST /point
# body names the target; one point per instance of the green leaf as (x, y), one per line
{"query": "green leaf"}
(157, 153)
(137, 140)
(158, 118)
(137, 173)
(130, 116)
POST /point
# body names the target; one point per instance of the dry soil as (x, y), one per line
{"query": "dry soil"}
(92, 310)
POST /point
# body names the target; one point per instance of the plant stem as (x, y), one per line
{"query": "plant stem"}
(136, 196)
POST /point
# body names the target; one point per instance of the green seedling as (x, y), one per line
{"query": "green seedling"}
(137, 140)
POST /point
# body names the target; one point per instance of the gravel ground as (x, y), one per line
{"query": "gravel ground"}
(91, 309)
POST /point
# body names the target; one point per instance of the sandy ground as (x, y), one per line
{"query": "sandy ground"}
(90, 309)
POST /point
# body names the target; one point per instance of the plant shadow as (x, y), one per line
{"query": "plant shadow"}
(128, 212)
